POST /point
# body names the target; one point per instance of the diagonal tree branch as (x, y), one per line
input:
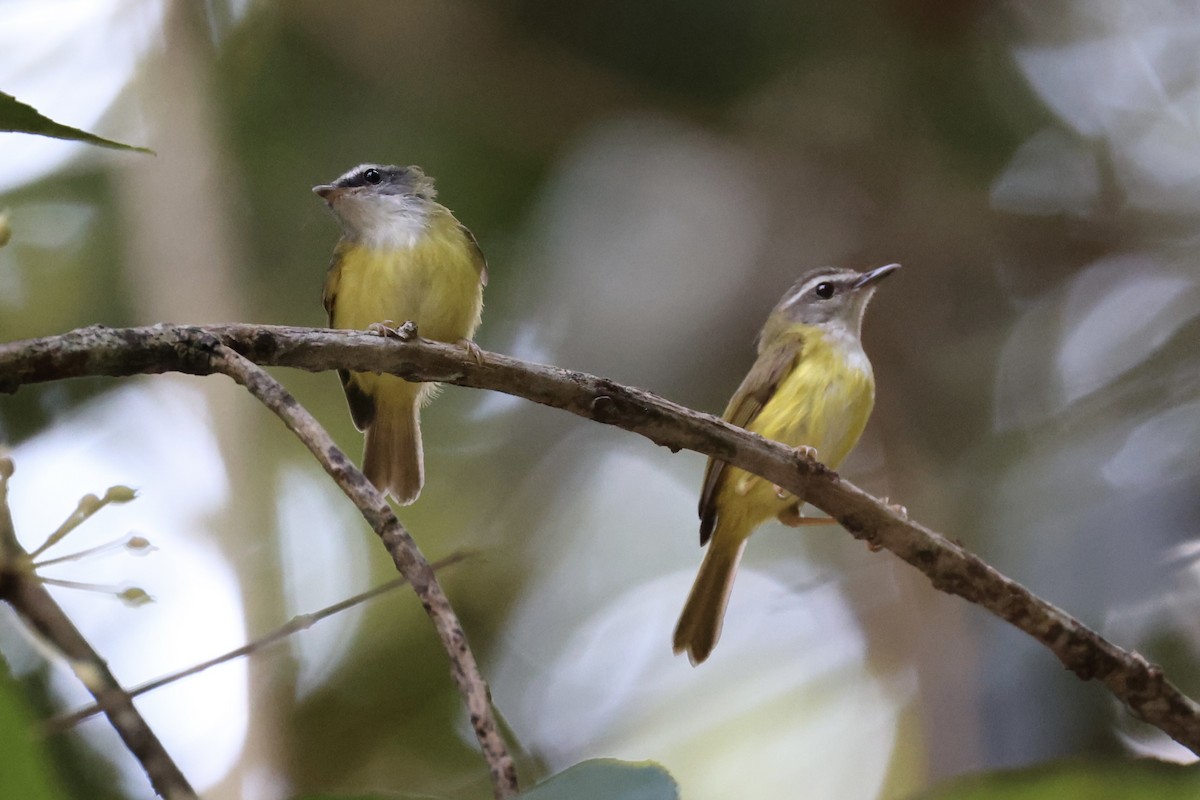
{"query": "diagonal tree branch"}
(1141, 686)
(400, 546)
(21, 589)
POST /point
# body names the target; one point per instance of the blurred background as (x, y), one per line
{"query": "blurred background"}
(646, 178)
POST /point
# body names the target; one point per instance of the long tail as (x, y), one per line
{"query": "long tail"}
(392, 457)
(700, 623)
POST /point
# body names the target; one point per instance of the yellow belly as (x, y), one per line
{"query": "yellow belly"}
(824, 403)
(821, 404)
(435, 284)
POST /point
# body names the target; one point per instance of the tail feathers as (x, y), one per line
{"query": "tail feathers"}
(392, 457)
(700, 623)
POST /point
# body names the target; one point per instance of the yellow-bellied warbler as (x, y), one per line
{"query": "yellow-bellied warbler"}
(403, 257)
(810, 387)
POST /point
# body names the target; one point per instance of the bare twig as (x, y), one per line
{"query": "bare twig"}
(400, 545)
(1140, 685)
(300, 622)
(21, 589)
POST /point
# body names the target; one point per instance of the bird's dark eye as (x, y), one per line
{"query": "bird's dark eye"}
(372, 176)
(824, 290)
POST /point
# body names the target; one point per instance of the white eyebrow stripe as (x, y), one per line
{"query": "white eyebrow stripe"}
(811, 283)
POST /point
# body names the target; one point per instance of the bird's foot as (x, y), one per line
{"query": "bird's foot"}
(896, 508)
(388, 329)
(472, 350)
(792, 517)
(385, 328)
(804, 451)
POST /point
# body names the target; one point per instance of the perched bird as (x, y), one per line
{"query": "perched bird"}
(811, 387)
(403, 257)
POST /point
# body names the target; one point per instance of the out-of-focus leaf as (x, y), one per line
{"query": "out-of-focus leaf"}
(1101, 84)
(607, 779)
(1161, 447)
(18, 117)
(595, 779)
(1123, 85)
(1158, 166)
(27, 771)
(1110, 318)
(1052, 173)
(1077, 780)
(1117, 313)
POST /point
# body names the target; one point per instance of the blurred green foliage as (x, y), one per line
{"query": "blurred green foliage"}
(602, 778)
(1080, 780)
(29, 770)
(581, 143)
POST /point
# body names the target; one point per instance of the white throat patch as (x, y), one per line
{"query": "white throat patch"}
(383, 221)
(851, 346)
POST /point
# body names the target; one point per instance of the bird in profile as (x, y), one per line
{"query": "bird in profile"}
(811, 387)
(403, 258)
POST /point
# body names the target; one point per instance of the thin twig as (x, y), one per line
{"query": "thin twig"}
(95, 351)
(400, 545)
(300, 622)
(21, 589)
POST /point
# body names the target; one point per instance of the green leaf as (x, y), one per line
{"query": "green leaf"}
(607, 779)
(1076, 780)
(28, 772)
(596, 779)
(372, 796)
(18, 117)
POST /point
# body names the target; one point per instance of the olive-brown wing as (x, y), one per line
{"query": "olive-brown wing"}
(759, 385)
(362, 407)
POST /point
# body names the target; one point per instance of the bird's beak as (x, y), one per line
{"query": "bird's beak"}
(327, 192)
(875, 275)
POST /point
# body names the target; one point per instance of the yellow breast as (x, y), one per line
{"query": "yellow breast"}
(433, 281)
(824, 402)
